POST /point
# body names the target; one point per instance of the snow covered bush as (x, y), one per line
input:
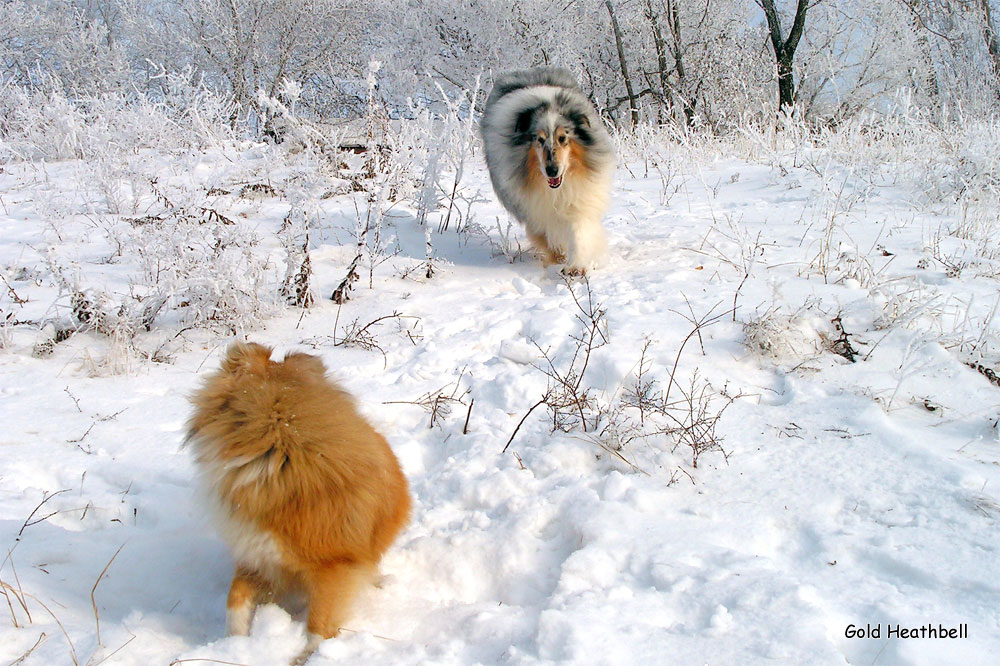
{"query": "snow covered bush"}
(201, 267)
(782, 336)
(186, 269)
(436, 145)
(45, 121)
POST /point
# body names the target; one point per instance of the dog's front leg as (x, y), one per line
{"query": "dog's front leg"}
(587, 246)
(546, 253)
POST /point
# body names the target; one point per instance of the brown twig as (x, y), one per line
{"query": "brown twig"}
(986, 372)
(18, 593)
(27, 654)
(82, 437)
(116, 651)
(437, 403)
(842, 345)
(28, 522)
(73, 398)
(72, 650)
(93, 601)
(363, 337)
(519, 461)
(523, 419)
(13, 295)
(468, 414)
(705, 320)
(4, 587)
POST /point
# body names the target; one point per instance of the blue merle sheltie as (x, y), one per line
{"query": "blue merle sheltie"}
(551, 162)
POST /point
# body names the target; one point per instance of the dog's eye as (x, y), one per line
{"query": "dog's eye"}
(540, 139)
(562, 140)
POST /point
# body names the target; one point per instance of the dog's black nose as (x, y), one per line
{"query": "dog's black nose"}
(551, 170)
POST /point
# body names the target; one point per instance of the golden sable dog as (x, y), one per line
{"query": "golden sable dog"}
(551, 162)
(309, 496)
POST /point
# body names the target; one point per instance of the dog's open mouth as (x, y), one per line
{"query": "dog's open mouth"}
(555, 182)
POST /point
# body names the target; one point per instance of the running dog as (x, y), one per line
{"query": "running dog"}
(551, 162)
(307, 494)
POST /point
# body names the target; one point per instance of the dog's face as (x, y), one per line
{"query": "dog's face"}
(552, 150)
(557, 140)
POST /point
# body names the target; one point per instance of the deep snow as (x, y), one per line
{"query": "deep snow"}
(850, 493)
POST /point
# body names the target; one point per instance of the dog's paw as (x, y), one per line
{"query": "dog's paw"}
(301, 658)
(312, 642)
(381, 580)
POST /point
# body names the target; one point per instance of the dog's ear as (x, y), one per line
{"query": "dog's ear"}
(306, 363)
(581, 127)
(522, 125)
(246, 356)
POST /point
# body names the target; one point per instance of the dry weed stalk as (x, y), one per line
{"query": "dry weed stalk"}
(570, 402)
(369, 244)
(21, 597)
(41, 637)
(842, 344)
(506, 244)
(93, 590)
(295, 288)
(439, 403)
(364, 337)
(69, 641)
(9, 590)
(642, 412)
(989, 373)
(10, 290)
(689, 420)
(28, 522)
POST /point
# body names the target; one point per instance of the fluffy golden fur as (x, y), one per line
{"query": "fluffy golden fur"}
(309, 495)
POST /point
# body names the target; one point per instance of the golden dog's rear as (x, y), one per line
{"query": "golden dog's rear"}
(309, 495)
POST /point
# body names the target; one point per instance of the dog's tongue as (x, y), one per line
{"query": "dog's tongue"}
(555, 182)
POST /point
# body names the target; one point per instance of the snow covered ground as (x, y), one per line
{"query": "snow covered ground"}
(844, 493)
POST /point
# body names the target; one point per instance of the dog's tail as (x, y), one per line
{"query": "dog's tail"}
(539, 76)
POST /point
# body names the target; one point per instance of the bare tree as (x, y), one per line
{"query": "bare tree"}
(256, 45)
(659, 44)
(990, 35)
(633, 102)
(692, 62)
(687, 96)
(676, 52)
(784, 47)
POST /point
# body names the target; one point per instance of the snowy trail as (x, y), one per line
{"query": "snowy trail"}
(831, 510)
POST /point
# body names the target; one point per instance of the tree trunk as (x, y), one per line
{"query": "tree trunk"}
(632, 101)
(786, 85)
(661, 58)
(687, 103)
(990, 35)
(784, 49)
